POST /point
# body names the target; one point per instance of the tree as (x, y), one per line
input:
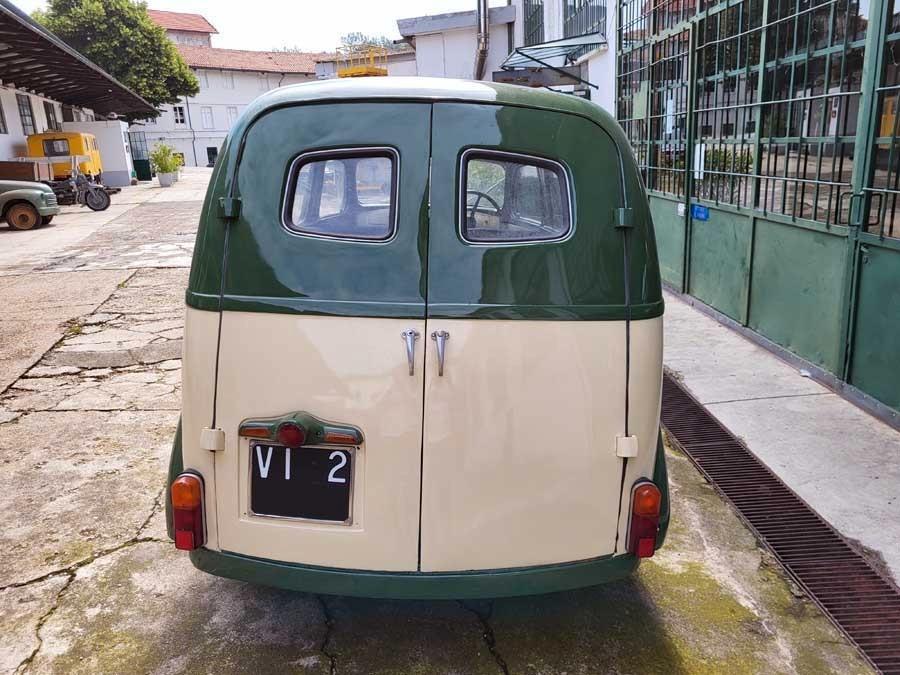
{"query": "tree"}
(358, 39)
(119, 36)
(355, 40)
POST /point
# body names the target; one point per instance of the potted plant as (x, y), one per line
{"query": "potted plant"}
(165, 163)
(179, 160)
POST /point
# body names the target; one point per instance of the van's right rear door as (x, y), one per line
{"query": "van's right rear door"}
(525, 290)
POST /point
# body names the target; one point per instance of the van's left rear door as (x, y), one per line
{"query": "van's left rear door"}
(313, 323)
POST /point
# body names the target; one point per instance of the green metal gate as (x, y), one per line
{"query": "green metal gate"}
(767, 132)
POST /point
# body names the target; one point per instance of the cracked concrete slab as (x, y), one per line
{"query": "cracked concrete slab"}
(35, 309)
(423, 637)
(145, 609)
(76, 483)
(22, 610)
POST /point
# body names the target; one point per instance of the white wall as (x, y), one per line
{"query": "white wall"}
(192, 138)
(12, 143)
(452, 53)
(186, 37)
(115, 152)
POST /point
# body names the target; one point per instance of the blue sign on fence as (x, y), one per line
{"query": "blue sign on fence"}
(699, 212)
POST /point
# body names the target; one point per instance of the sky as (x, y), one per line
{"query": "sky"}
(311, 25)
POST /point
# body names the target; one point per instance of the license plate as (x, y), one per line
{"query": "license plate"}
(308, 483)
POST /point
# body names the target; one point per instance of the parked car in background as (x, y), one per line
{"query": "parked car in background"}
(26, 204)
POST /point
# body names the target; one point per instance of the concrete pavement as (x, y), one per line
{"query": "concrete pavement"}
(841, 460)
(89, 583)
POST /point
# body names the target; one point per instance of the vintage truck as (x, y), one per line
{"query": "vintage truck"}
(26, 204)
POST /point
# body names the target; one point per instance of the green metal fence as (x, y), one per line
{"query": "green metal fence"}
(768, 133)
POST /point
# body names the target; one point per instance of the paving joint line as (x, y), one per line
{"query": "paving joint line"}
(487, 633)
(769, 398)
(326, 638)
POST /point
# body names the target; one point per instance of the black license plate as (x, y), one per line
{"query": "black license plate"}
(310, 483)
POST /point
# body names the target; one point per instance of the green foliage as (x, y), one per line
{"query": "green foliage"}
(732, 161)
(358, 39)
(119, 36)
(163, 159)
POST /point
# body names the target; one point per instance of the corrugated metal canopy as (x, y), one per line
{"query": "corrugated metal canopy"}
(33, 59)
(556, 53)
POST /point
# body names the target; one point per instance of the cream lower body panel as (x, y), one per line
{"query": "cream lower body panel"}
(519, 435)
(519, 453)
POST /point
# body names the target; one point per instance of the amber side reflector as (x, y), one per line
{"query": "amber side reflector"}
(339, 438)
(187, 511)
(645, 504)
(254, 432)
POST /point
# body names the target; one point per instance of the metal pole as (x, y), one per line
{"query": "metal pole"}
(863, 168)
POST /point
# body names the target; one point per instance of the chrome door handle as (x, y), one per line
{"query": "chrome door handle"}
(410, 336)
(441, 338)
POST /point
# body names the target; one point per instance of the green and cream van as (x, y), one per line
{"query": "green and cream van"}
(423, 346)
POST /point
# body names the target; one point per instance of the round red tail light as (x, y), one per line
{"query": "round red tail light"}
(290, 434)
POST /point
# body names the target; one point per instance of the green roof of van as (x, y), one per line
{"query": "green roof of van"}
(427, 89)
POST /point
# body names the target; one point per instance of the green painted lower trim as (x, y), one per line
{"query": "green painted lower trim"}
(661, 480)
(400, 310)
(176, 466)
(416, 585)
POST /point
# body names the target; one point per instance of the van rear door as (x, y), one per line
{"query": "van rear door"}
(325, 272)
(525, 303)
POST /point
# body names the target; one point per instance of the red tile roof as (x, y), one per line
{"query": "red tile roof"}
(240, 59)
(194, 23)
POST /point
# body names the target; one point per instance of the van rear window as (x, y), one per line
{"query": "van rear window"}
(345, 194)
(513, 198)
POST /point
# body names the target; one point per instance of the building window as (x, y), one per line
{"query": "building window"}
(52, 120)
(26, 114)
(178, 110)
(228, 79)
(3, 128)
(584, 16)
(202, 78)
(232, 115)
(206, 117)
(534, 21)
(263, 81)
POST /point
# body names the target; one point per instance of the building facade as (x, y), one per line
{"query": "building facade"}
(44, 83)
(229, 80)
(446, 45)
(768, 136)
(543, 22)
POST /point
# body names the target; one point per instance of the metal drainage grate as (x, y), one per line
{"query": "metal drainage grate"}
(859, 601)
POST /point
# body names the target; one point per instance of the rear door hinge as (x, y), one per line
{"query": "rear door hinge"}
(626, 446)
(624, 217)
(212, 440)
(229, 207)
